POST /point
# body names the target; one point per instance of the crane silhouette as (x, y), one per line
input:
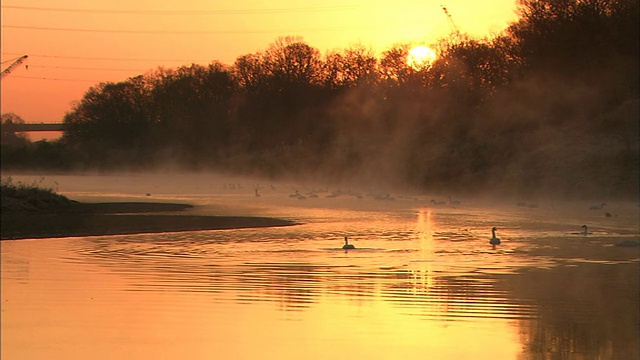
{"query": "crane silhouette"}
(456, 30)
(13, 65)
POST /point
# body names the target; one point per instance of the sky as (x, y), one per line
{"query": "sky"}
(75, 44)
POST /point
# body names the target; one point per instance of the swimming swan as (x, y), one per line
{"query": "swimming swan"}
(584, 230)
(346, 245)
(494, 240)
(597, 207)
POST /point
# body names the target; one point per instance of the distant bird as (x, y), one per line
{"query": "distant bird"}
(295, 195)
(531, 206)
(597, 207)
(629, 243)
(257, 194)
(384, 197)
(607, 215)
(584, 231)
(438, 202)
(494, 240)
(454, 202)
(346, 245)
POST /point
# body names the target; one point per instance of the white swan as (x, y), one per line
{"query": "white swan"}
(346, 245)
(597, 207)
(494, 240)
(453, 202)
(438, 202)
(584, 231)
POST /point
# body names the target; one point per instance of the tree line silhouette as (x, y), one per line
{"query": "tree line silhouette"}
(548, 105)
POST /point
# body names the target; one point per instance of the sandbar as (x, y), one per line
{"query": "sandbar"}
(96, 219)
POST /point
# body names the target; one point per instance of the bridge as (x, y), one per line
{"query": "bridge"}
(28, 127)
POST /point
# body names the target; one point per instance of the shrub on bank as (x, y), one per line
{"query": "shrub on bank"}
(21, 196)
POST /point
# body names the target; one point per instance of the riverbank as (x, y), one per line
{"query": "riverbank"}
(95, 219)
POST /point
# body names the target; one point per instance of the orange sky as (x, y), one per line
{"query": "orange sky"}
(73, 45)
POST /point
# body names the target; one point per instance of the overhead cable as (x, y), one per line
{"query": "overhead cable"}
(225, 32)
(191, 12)
(110, 59)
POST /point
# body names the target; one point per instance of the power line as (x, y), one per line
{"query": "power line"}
(109, 59)
(57, 79)
(15, 58)
(152, 32)
(225, 32)
(83, 68)
(194, 12)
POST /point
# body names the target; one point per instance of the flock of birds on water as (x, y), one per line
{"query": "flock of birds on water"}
(494, 241)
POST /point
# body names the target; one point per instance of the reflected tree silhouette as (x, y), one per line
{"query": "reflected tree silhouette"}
(586, 311)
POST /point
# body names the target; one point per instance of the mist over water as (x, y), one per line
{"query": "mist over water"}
(423, 276)
(542, 137)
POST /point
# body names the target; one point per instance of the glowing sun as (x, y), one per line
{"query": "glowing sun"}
(420, 57)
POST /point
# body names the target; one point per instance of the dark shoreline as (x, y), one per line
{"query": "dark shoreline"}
(96, 219)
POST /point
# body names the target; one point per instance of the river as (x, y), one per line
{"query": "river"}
(423, 281)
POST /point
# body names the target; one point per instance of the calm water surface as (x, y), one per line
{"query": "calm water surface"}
(423, 282)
